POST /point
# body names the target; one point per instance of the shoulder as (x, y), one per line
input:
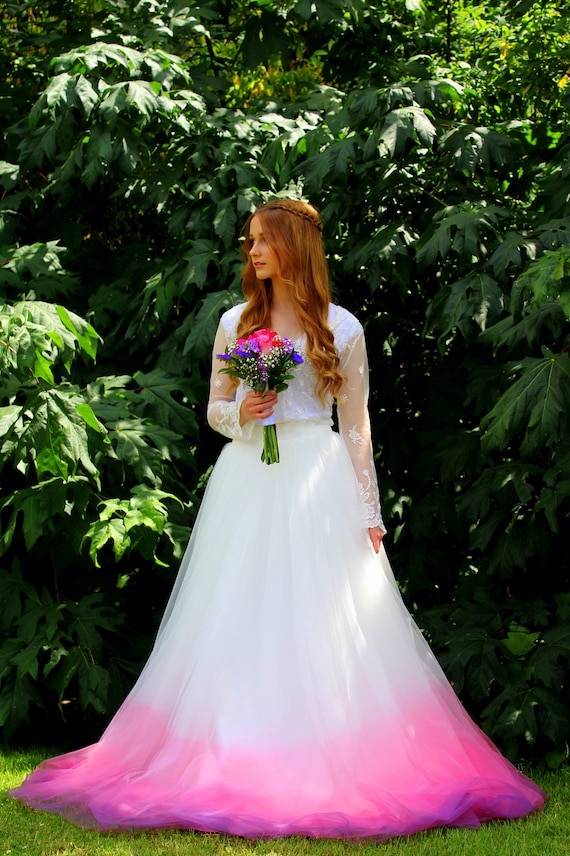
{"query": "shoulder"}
(345, 326)
(230, 320)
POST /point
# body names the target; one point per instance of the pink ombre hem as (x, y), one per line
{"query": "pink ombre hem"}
(352, 787)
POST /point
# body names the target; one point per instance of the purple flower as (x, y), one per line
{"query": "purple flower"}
(298, 359)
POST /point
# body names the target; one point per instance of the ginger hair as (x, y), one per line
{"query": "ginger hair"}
(293, 231)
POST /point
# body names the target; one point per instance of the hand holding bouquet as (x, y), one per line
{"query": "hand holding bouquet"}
(263, 361)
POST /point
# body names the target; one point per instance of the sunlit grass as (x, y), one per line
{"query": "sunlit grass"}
(33, 833)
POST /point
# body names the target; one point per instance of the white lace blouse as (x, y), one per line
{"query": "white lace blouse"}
(299, 402)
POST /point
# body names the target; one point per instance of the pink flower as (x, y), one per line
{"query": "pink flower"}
(264, 339)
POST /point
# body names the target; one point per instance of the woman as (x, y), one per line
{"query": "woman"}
(289, 691)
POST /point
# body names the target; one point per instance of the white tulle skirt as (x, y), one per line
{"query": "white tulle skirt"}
(289, 691)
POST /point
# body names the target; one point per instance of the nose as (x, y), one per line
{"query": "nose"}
(253, 250)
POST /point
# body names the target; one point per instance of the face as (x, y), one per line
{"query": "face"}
(263, 258)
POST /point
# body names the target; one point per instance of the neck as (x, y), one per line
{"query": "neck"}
(284, 318)
(281, 296)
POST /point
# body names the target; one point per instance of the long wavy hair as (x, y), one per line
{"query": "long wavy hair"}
(293, 231)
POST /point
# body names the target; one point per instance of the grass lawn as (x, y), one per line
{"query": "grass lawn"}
(26, 832)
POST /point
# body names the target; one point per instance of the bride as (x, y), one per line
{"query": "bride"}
(289, 691)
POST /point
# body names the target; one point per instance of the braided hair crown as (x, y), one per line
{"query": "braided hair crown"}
(297, 208)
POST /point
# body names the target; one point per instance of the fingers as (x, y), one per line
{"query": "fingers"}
(260, 406)
(376, 534)
(269, 399)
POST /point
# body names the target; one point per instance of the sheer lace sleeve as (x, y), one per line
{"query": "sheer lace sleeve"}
(354, 425)
(223, 408)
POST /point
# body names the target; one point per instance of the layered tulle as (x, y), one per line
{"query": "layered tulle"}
(289, 691)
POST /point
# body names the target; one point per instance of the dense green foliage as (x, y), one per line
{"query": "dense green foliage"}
(137, 138)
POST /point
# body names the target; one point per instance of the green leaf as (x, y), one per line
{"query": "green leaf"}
(520, 640)
(476, 298)
(510, 252)
(341, 155)
(37, 513)
(37, 264)
(551, 659)
(159, 392)
(143, 96)
(535, 405)
(67, 663)
(101, 532)
(100, 148)
(551, 500)
(9, 416)
(113, 102)
(197, 262)
(86, 413)
(459, 228)
(86, 93)
(13, 589)
(89, 617)
(405, 125)
(509, 333)
(548, 278)
(225, 221)
(513, 479)
(94, 683)
(9, 647)
(198, 342)
(84, 333)
(126, 522)
(9, 174)
(143, 446)
(469, 147)
(26, 662)
(39, 335)
(15, 699)
(56, 425)
(474, 660)
(520, 710)
(40, 621)
(42, 369)
(58, 89)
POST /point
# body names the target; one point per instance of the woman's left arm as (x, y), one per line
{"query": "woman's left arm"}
(354, 426)
(224, 411)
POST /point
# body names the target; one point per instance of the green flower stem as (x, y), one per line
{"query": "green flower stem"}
(270, 454)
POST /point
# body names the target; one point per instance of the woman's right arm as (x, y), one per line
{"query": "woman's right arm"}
(232, 418)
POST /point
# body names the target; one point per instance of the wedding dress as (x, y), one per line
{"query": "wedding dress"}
(289, 691)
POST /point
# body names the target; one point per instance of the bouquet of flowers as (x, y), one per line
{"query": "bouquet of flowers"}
(263, 361)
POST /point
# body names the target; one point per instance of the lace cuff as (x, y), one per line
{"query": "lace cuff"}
(223, 417)
(370, 510)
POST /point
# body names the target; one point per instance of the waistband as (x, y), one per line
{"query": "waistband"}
(297, 429)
